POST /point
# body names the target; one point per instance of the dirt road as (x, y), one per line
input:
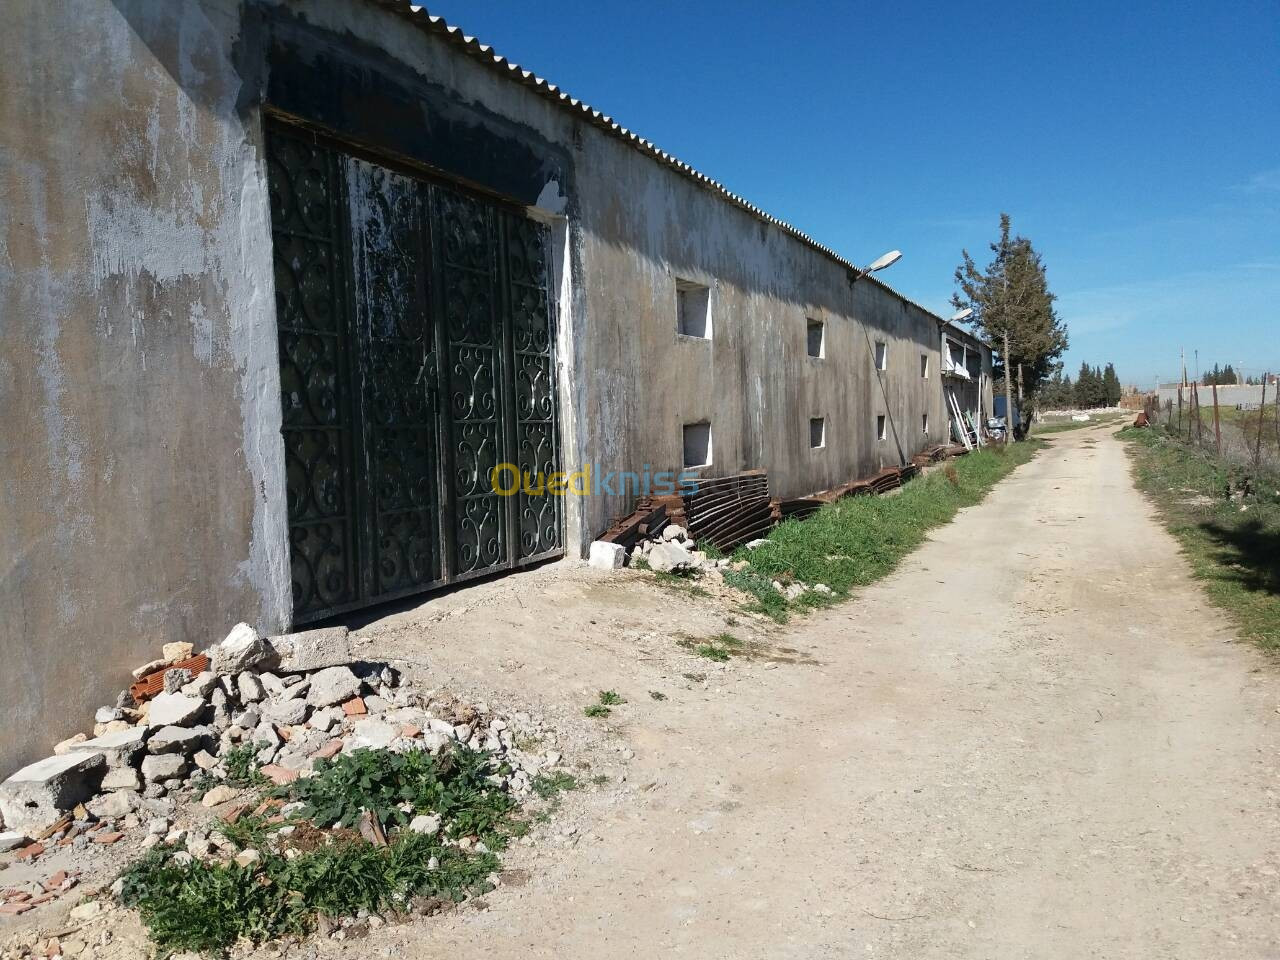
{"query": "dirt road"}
(1034, 740)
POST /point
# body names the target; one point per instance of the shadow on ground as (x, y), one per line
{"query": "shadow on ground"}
(1249, 552)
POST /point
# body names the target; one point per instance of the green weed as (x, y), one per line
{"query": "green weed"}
(611, 698)
(548, 785)
(596, 710)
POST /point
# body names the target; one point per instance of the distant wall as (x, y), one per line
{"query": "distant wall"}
(1228, 396)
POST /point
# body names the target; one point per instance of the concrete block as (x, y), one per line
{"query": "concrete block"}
(38, 794)
(312, 650)
(173, 709)
(607, 556)
(120, 749)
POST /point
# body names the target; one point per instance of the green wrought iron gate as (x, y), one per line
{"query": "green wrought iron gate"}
(416, 355)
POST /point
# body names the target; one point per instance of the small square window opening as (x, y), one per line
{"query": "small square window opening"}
(816, 339)
(697, 444)
(693, 309)
(817, 432)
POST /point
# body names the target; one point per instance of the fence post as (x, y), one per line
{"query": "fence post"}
(1217, 428)
(1262, 413)
(1200, 423)
(1179, 410)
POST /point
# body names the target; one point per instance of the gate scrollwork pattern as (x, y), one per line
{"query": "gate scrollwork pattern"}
(315, 423)
(416, 350)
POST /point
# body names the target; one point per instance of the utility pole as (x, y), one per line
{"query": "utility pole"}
(1262, 413)
(1217, 429)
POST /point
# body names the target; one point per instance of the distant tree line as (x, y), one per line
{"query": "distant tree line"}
(1225, 376)
(1093, 387)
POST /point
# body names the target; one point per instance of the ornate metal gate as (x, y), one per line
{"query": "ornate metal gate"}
(416, 356)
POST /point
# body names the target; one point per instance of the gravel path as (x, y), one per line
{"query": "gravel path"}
(1034, 740)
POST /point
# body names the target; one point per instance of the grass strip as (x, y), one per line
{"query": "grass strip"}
(858, 540)
(1227, 519)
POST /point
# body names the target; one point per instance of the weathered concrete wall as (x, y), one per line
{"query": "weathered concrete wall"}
(140, 463)
(143, 486)
(1228, 396)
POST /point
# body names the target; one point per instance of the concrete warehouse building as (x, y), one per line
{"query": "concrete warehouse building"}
(283, 280)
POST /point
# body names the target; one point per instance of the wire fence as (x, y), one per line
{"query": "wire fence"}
(1244, 434)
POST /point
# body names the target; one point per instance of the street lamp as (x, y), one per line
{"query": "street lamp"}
(964, 314)
(888, 260)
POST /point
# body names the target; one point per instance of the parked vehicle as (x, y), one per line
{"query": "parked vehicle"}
(996, 424)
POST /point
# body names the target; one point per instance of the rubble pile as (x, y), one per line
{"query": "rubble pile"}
(279, 704)
(674, 551)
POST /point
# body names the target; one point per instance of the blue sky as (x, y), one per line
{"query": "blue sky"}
(1137, 145)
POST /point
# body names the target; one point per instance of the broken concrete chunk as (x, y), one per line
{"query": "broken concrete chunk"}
(122, 778)
(217, 795)
(250, 688)
(286, 712)
(120, 748)
(312, 650)
(112, 806)
(173, 709)
(173, 652)
(68, 745)
(243, 648)
(185, 740)
(107, 714)
(427, 824)
(370, 733)
(11, 840)
(670, 556)
(205, 760)
(201, 685)
(333, 685)
(163, 767)
(37, 795)
(323, 720)
(673, 531)
(176, 679)
(149, 667)
(607, 556)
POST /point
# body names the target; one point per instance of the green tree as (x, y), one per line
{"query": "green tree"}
(1111, 387)
(1013, 307)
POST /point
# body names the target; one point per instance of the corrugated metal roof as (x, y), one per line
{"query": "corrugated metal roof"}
(486, 55)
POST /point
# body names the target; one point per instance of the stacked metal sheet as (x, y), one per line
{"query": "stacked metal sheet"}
(730, 511)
